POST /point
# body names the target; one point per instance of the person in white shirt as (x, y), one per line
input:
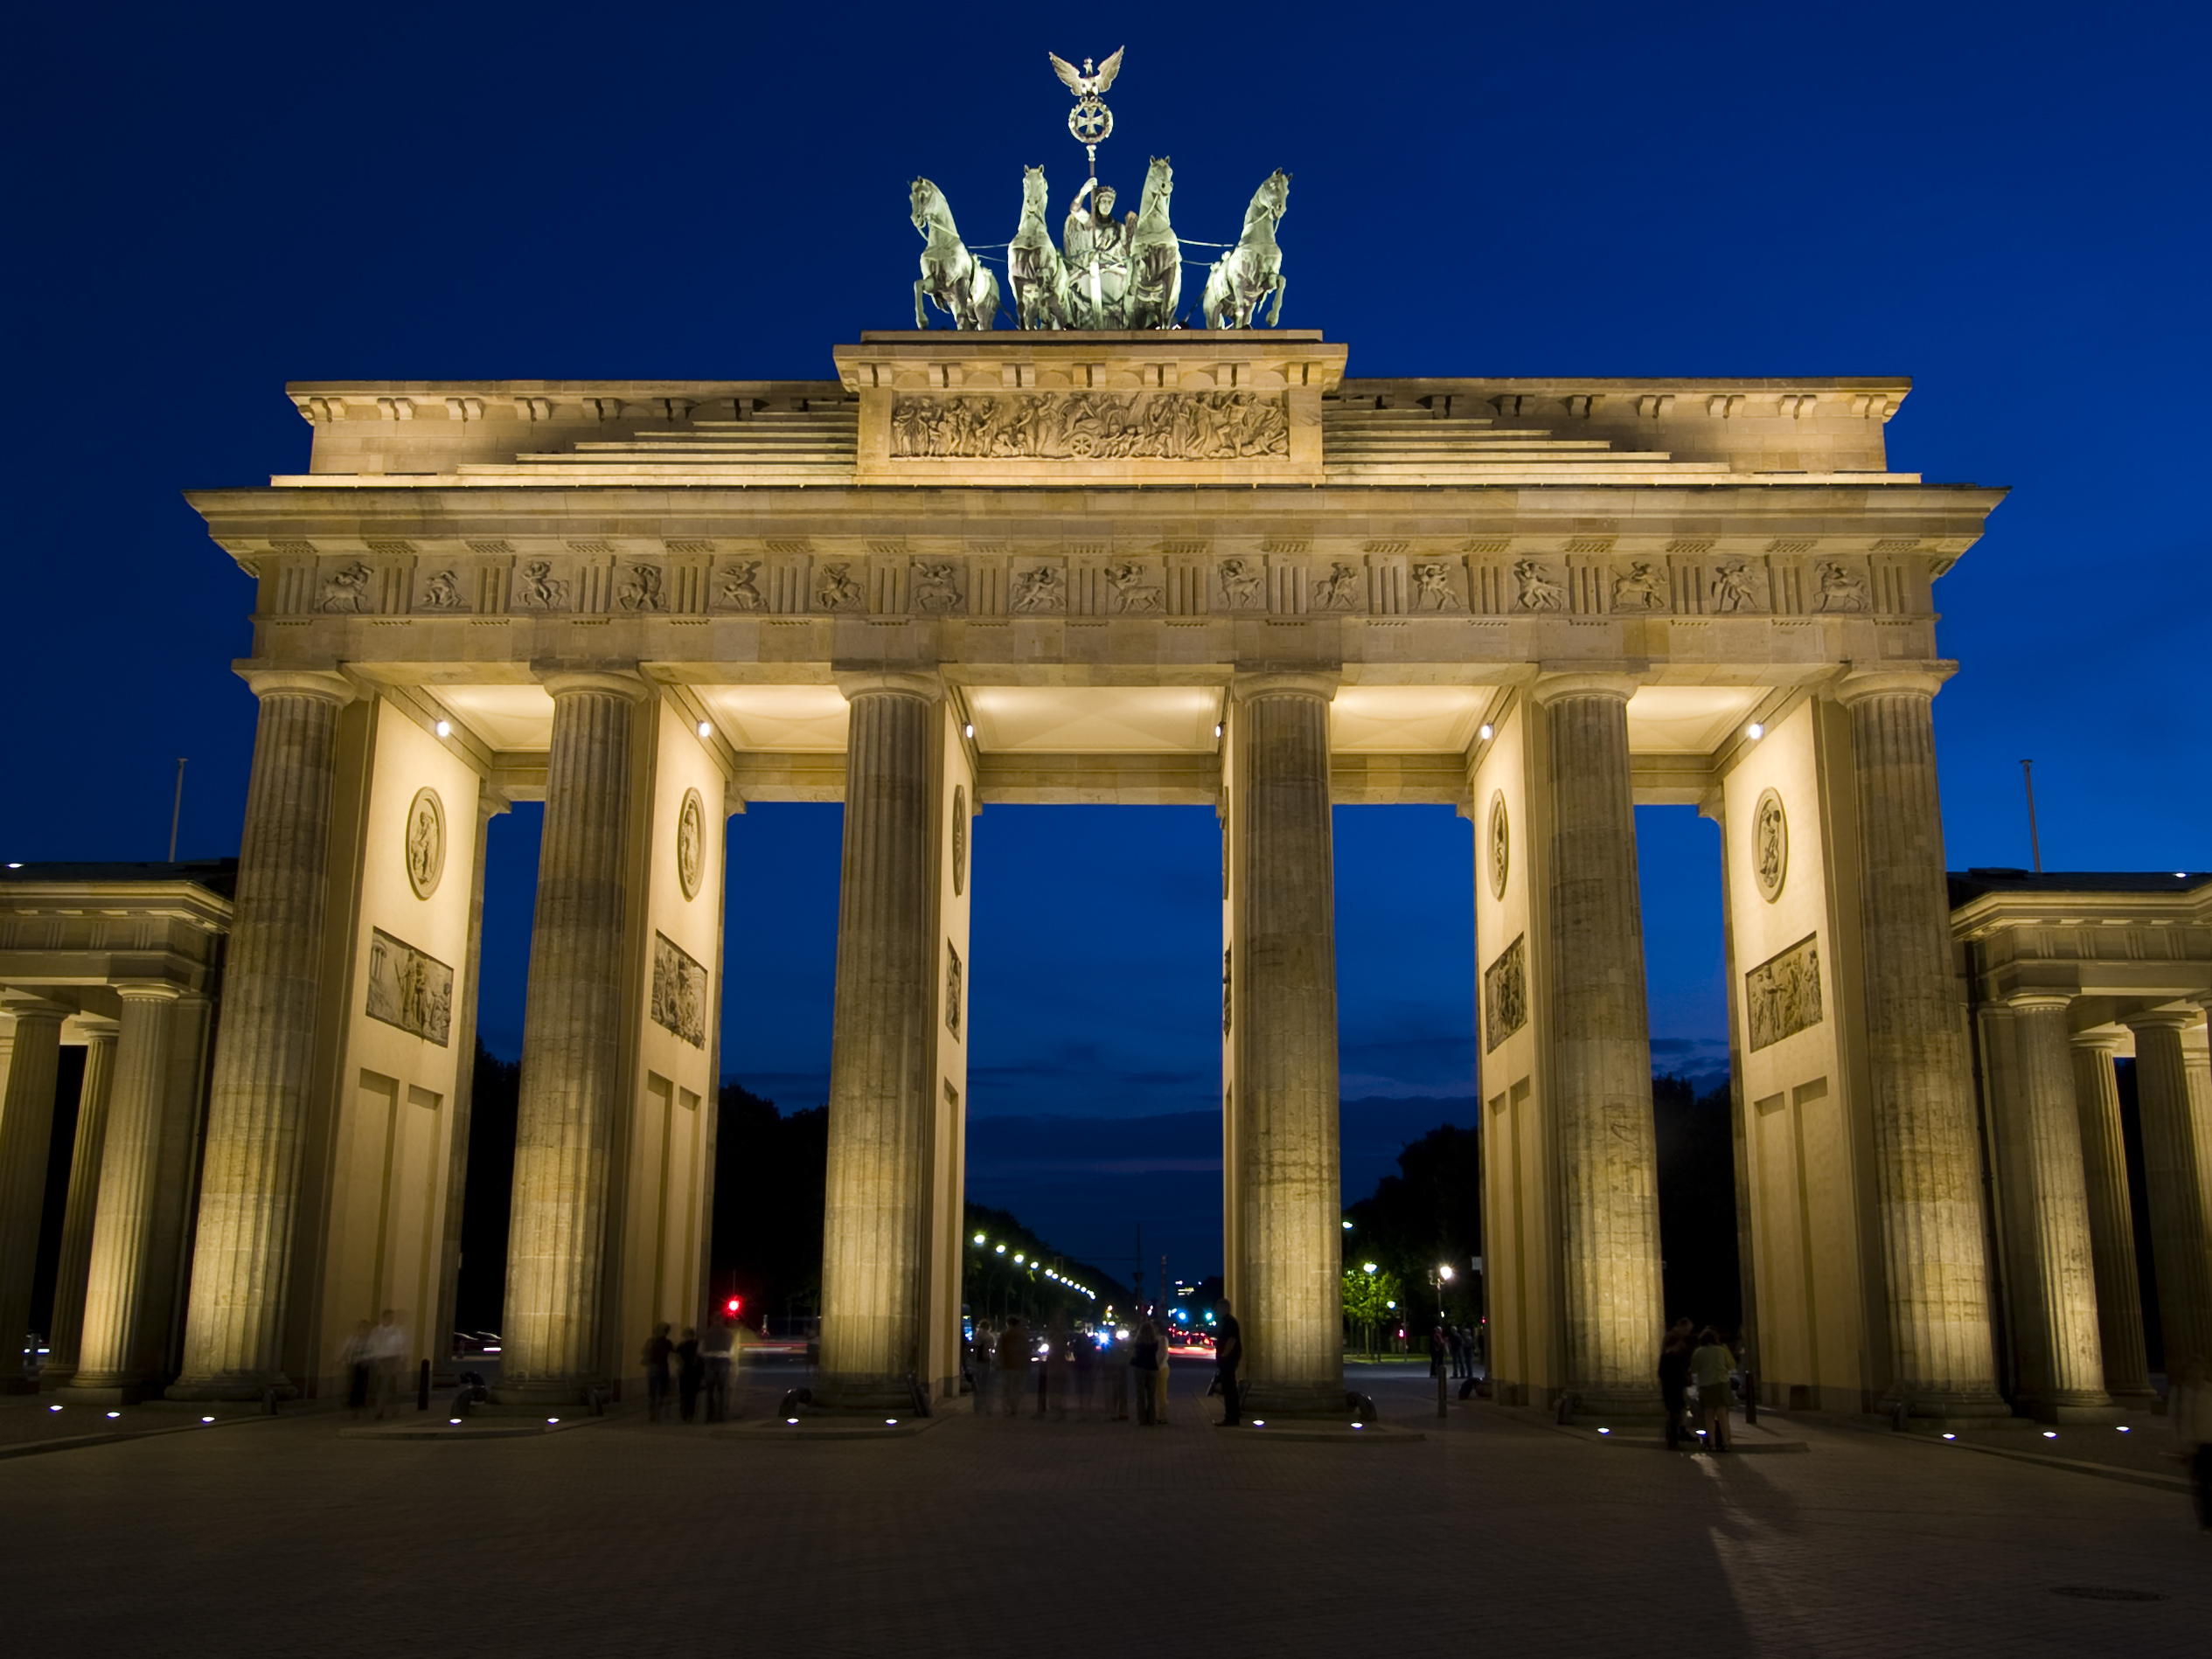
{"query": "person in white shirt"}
(388, 1347)
(1710, 1364)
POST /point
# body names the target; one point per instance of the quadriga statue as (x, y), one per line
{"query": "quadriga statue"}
(952, 279)
(1245, 275)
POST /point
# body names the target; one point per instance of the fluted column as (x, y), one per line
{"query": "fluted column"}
(26, 1125)
(1291, 1235)
(571, 1086)
(2112, 1220)
(118, 1293)
(1601, 1050)
(1928, 1179)
(489, 806)
(881, 1044)
(83, 1197)
(2052, 1274)
(265, 1050)
(2177, 1149)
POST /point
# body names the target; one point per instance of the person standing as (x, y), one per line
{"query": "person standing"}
(1458, 1352)
(1013, 1365)
(1145, 1360)
(1710, 1364)
(691, 1374)
(2188, 1411)
(1228, 1354)
(716, 1347)
(1436, 1349)
(654, 1355)
(1674, 1379)
(1116, 1359)
(387, 1352)
(986, 1353)
(1159, 1377)
(357, 1361)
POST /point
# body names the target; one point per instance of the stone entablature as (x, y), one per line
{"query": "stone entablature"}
(2110, 945)
(72, 931)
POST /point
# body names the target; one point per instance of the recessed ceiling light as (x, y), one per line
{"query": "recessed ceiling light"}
(445, 728)
(1485, 731)
(704, 730)
(968, 730)
(1217, 729)
(1755, 730)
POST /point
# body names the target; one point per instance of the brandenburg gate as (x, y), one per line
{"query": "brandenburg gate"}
(1060, 565)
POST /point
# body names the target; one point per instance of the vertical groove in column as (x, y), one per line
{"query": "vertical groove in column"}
(26, 1126)
(2062, 1363)
(2112, 1221)
(264, 1053)
(872, 1249)
(571, 1089)
(64, 1341)
(1291, 1236)
(1927, 1171)
(1602, 1059)
(2174, 1158)
(116, 1301)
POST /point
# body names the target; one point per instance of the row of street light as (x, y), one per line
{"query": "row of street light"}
(1021, 1260)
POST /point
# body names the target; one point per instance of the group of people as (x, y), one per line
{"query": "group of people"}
(1132, 1365)
(1706, 1362)
(371, 1359)
(1459, 1346)
(691, 1366)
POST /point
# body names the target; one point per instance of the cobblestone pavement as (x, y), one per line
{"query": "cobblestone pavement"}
(986, 1536)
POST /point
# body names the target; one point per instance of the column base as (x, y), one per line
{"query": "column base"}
(2088, 1410)
(1615, 1402)
(234, 1386)
(1324, 1400)
(531, 1394)
(95, 1391)
(1948, 1411)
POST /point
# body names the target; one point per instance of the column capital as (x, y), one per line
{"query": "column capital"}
(1924, 681)
(97, 1028)
(1302, 682)
(2163, 1019)
(327, 684)
(2021, 1002)
(147, 990)
(607, 682)
(2097, 1042)
(859, 683)
(1550, 688)
(24, 1006)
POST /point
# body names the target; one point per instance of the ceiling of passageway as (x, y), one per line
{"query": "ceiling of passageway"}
(1151, 720)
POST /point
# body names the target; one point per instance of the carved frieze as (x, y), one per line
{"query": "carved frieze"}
(1841, 587)
(1505, 994)
(1435, 587)
(642, 590)
(836, 589)
(953, 988)
(1241, 581)
(1535, 588)
(1132, 589)
(935, 588)
(741, 589)
(1087, 425)
(1338, 590)
(1041, 590)
(1738, 585)
(409, 988)
(1781, 995)
(347, 590)
(441, 591)
(425, 844)
(679, 991)
(1642, 587)
(536, 589)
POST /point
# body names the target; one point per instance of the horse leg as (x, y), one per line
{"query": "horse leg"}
(1275, 317)
(921, 317)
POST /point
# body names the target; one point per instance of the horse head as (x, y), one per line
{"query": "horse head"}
(1159, 181)
(925, 199)
(1035, 191)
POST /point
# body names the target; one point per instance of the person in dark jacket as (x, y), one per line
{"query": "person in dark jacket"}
(1144, 1361)
(1228, 1354)
(655, 1359)
(1674, 1379)
(691, 1373)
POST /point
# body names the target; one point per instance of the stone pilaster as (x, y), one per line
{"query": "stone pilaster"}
(83, 1197)
(2177, 1154)
(26, 1125)
(120, 1295)
(2112, 1221)
(1601, 1051)
(265, 1050)
(874, 1252)
(2051, 1278)
(1283, 962)
(1928, 1170)
(573, 1089)
(489, 806)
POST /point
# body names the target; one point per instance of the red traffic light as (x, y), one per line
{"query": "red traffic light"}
(733, 1305)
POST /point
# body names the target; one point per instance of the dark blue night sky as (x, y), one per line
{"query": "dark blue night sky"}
(2007, 203)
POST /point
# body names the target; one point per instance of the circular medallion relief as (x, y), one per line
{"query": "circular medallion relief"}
(425, 847)
(959, 839)
(1769, 845)
(1501, 846)
(691, 842)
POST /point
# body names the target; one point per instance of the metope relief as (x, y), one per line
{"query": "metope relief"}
(1841, 588)
(536, 588)
(1736, 587)
(642, 591)
(1501, 848)
(1642, 587)
(741, 586)
(1769, 845)
(679, 991)
(426, 842)
(690, 843)
(1338, 590)
(936, 589)
(1040, 592)
(348, 589)
(1781, 995)
(1240, 579)
(443, 593)
(1505, 994)
(409, 988)
(835, 589)
(1434, 588)
(1131, 589)
(1092, 425)
(1534, 589)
